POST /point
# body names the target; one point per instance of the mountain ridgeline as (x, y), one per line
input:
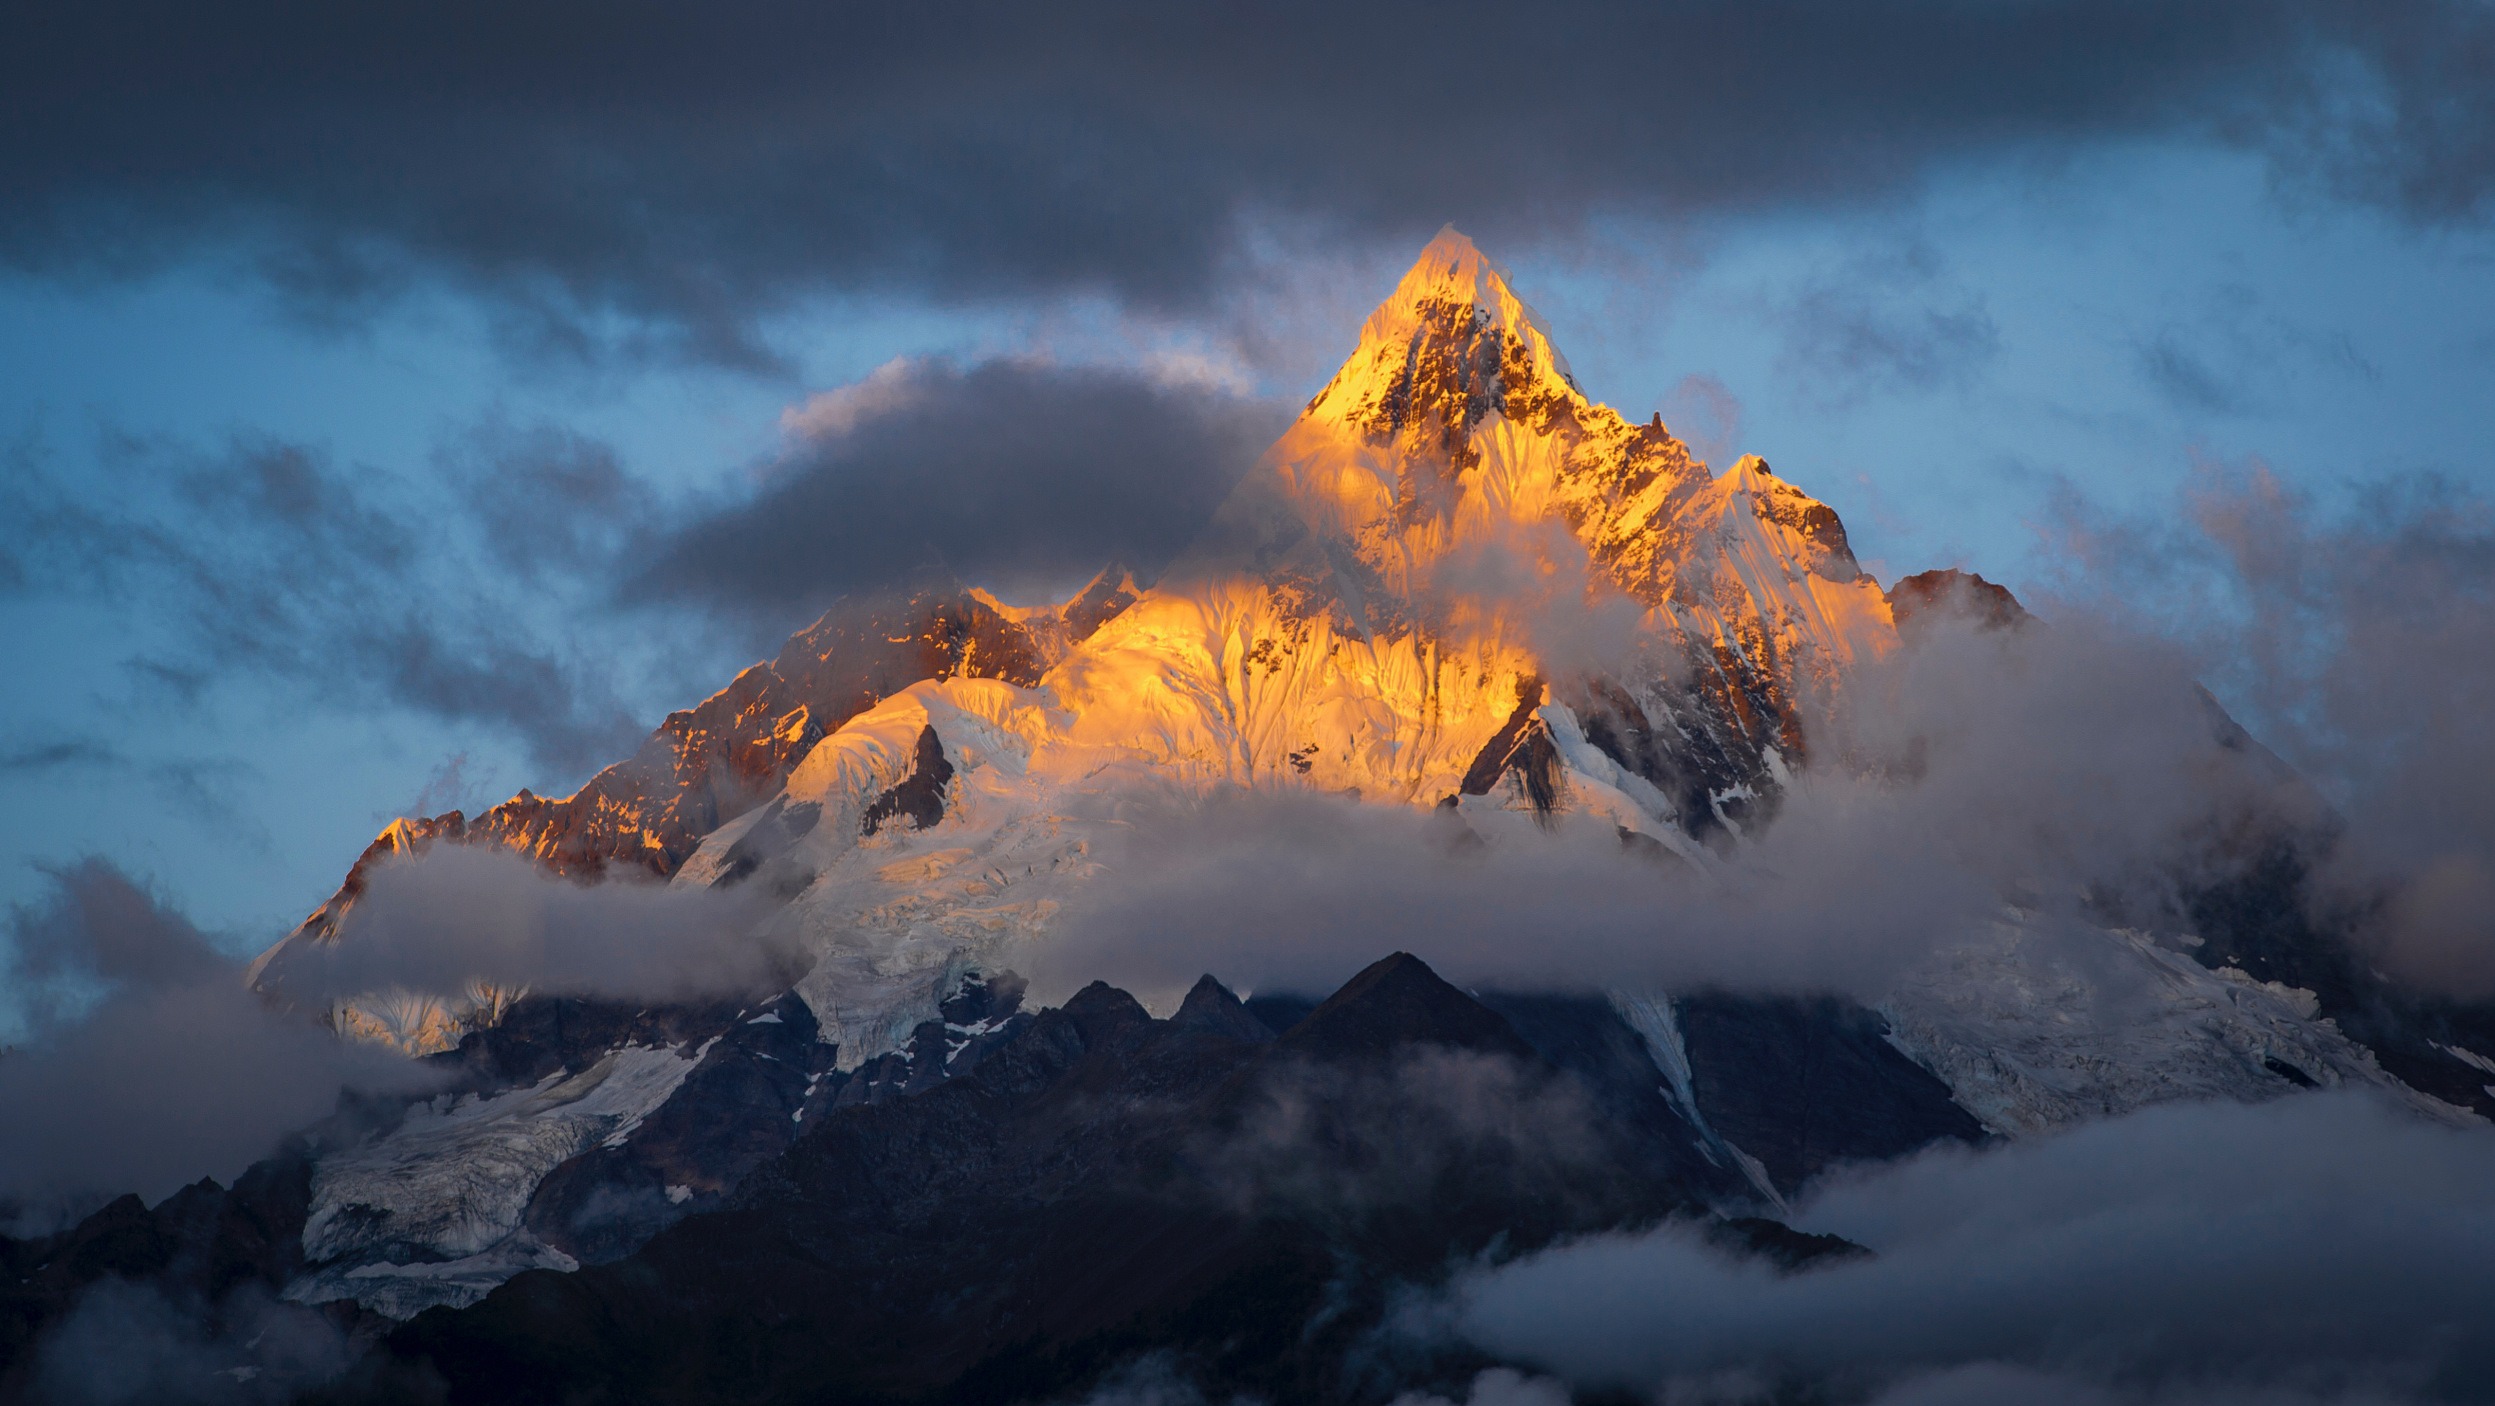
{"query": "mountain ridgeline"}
(1455, 587)
(1326, 632)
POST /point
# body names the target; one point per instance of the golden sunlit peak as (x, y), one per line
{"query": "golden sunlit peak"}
(1452, 269)
(1452, 259)
(1451, 304)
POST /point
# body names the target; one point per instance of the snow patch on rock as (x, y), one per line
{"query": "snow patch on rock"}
(430, 1213)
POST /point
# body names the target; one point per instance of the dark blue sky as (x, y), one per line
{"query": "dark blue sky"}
(334, 460)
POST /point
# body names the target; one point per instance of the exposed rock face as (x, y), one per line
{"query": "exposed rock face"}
(919, 796)
(1803, 1086)
(1948, 592)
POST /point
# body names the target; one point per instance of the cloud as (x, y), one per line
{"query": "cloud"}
(897, 385)
(55, 756)
(143, 1062)
(2323, 1247)
(2359, 643)
(694, 173)
(202, 787)
(2182, 376)
(1498, 1387)
(531, 586)
(448, 787)
(1705, 414)
(124, 1342)
(546, 501)
(1347, 1143)
(1886, 323)
(2073, 770)
(1536, 581)
(1017, 475)
(455, 914)
(2410, 127)
(2230, 356)
(1153, 1379)
(350, 585)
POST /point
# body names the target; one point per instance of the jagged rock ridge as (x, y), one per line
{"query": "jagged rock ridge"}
(713, 762)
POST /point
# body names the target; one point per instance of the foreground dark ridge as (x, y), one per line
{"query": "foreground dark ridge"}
(1023, 1201)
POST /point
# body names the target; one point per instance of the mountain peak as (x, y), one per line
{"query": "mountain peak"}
(1453, 268)
(1450, 342)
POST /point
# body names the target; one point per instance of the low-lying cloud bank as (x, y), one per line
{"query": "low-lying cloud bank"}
(2074, 770)
(2072, 766)
(458, 914)
(143, 1062)
(2320, 1248)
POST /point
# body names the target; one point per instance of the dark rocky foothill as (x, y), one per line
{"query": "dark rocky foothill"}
(213, 1251)
(1068, 1190)
(1806, 1085)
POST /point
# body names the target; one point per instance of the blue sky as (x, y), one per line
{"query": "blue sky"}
(1939, 363)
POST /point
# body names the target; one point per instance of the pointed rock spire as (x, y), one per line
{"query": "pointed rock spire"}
(1451, 343)
(1396, 1002)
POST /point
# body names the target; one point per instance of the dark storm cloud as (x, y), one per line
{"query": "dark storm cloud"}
(1012, 474)
(691, 168)
(2321, 1248)
(143, 1062)
(343, 582)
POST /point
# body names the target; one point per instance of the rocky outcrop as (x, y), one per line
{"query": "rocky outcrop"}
(1928, 595)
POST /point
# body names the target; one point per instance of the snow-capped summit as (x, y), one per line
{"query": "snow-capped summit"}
(1394, 606)
(1454, 310)
(1369, 614)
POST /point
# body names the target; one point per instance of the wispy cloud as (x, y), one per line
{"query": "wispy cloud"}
(353, 586)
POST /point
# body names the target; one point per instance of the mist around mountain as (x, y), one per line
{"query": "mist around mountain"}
(1512, 913)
